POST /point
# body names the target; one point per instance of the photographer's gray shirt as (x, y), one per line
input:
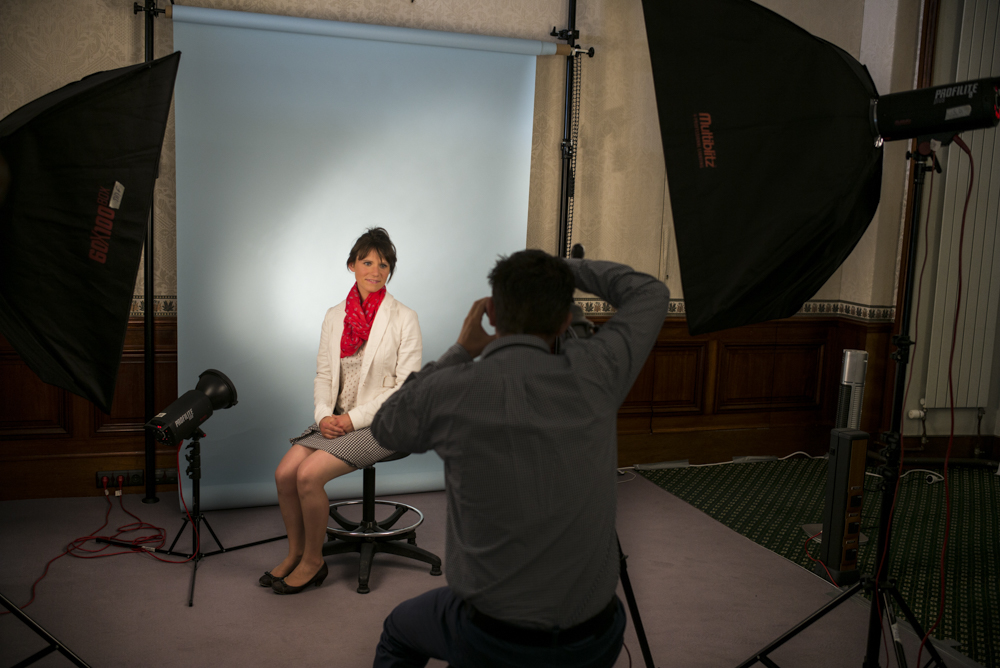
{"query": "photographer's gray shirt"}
(529, 445)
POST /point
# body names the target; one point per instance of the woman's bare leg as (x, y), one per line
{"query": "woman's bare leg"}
(319, 468)
(285, 478)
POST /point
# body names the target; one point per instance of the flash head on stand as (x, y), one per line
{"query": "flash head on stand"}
(181, 419)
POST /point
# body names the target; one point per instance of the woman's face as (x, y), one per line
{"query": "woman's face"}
(371, 273)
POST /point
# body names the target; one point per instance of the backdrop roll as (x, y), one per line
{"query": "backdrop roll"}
(289, 145)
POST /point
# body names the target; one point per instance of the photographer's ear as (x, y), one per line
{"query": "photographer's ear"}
(491, 312)
(566, 323)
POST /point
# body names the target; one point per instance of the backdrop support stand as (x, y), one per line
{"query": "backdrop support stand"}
(884, 591)
(195, 519)
(151, 12)
(568, 146)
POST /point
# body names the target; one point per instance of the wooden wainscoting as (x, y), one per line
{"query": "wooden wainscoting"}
(767, 389)
(52, 442)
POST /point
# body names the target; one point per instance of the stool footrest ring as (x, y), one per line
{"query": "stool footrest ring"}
(357, 530)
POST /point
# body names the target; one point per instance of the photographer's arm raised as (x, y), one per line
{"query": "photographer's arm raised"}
(399, 424)
(622, 344)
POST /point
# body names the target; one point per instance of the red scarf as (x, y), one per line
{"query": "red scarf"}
(358, 320)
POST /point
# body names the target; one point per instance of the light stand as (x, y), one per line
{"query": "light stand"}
(196, 518)
(633, 608)
(149, 359)
(53, 643)
(884, 591)
(586, 329)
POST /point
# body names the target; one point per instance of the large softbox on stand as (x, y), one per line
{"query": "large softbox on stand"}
(773, 163)
(82, 161)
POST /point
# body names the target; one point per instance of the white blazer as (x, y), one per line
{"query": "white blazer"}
(391, 354)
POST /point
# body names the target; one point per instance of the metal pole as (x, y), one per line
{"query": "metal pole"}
(149, 357)
(893, 438)
(567, 148)
(53, 642)
(633, 608)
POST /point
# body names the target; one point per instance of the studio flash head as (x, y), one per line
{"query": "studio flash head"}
(947, 109)
(181, 419)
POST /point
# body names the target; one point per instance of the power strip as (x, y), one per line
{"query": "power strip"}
(679, 464)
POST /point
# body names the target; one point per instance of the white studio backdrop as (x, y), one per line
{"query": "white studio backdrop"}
(291, 140)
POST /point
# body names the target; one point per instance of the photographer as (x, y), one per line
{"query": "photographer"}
(529, 444)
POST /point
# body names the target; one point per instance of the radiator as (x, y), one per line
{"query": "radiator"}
(975, 341)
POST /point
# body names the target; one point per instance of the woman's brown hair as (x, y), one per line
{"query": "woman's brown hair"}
(374, 239)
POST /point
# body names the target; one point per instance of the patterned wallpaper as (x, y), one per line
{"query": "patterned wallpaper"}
(622, 203)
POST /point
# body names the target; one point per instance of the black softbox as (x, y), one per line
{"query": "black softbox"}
(82, 162)
(771, 156)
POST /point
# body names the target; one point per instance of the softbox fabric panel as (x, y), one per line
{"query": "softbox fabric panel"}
(83, 160)
(289, 145)
(772, 162)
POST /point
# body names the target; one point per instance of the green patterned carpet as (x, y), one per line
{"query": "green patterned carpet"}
(768, 502)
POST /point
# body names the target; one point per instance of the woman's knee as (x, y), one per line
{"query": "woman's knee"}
(286, 476)
(309, 478)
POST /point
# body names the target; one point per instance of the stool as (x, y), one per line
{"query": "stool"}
(368, 536)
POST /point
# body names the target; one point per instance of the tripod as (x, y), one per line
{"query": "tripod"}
(633, 608)
(53, 643)
(195, 519)
(883, 588)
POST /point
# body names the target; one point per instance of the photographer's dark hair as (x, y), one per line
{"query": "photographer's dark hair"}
(374, 239)
(532, 293)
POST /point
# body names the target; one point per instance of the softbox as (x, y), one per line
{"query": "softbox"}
(82, 161)
(772, 161)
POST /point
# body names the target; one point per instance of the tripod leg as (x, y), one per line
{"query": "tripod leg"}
(890, 616)
(874, 634)
(914, 624)
(53, 643)
(194, 574)
(633, 610)
(209, 527)
(761, 655)
(184, 523)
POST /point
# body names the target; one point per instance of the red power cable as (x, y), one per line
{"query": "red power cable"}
(141, 544)
(818, 561)
(66, 550)
(951, 399)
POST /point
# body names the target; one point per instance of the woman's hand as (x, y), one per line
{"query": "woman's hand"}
(330, 427)
(333, 426)
(345, 423)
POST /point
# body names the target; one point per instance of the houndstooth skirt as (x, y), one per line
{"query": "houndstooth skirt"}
(358, 448)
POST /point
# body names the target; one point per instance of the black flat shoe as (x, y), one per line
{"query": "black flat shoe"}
(269, 578)
(279, 586)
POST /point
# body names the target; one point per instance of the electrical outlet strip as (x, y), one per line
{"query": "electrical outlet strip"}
(679, 464)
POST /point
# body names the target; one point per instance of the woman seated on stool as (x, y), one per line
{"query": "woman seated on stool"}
(369, 344)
